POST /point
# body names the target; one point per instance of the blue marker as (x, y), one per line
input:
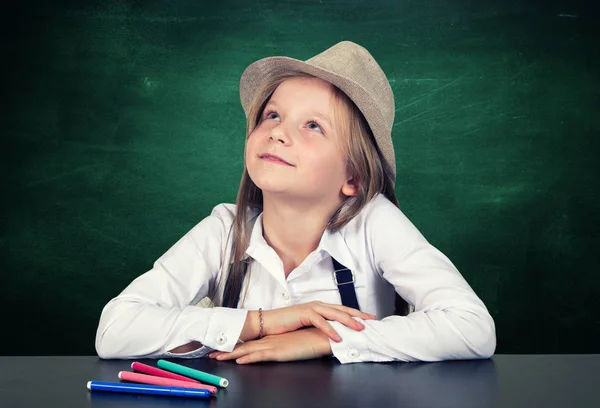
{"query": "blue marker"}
(147, 389)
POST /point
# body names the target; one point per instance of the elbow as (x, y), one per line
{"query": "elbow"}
(104, 345)
(103, 352)
(111, 341)
(111, 345)
(117, 336)
(486, 347)
(483, 341)
(476, 334)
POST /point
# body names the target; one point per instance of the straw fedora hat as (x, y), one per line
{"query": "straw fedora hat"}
(349, 67)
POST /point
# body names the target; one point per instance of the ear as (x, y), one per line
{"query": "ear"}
(350, 187)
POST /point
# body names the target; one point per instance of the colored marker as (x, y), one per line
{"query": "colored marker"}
(168, 382)
(146, 369)
(190, 372)
(147, 389)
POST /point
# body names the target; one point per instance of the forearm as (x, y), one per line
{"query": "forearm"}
(435, 335)
(131, 329)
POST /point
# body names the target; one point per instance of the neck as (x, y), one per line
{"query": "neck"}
(293, 230)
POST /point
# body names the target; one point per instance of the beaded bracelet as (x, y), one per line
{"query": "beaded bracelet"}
(260, 322)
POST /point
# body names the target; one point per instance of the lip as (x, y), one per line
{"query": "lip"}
(272, 158)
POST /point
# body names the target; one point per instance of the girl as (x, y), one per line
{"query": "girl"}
(316, 241)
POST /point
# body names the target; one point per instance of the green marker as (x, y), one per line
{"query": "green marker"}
(195, 374)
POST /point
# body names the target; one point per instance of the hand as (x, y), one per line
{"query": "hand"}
(289, 319)
(298, 345)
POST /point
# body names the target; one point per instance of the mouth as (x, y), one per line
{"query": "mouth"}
(271, 158)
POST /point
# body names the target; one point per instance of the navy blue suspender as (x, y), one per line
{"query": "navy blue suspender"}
(344, 279)
(342, 276)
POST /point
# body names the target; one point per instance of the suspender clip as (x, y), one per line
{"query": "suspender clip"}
(335, 277)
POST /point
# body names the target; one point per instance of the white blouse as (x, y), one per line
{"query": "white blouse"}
(160, 309)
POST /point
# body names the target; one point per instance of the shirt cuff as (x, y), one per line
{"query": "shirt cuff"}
(354, 346)
(223, 331)
(201, 352)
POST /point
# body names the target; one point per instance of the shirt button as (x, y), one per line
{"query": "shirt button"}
(222, 339)
(285, 295)
(353, 353)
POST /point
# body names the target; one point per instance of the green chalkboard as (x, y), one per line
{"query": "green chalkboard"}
(123, 129)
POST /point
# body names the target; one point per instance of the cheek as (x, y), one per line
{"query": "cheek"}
(251, 143)
(329, 164)
(258, 134)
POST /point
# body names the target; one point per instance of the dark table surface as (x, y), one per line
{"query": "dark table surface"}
(504, 381)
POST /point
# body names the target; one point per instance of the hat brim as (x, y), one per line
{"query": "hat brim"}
(257, 75)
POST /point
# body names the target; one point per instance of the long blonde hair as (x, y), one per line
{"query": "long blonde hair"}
(365, 165)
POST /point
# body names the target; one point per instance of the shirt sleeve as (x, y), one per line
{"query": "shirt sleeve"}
(157, 311)
(449, 322)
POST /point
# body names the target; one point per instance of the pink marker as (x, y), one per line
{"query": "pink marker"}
(169, 382)
(146, 369)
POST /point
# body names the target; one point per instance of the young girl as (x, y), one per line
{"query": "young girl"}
(316, 252)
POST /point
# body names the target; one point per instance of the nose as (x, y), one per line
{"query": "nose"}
(279, 134)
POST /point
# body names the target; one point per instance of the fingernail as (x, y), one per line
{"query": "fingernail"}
(239, 360)
(338, 338)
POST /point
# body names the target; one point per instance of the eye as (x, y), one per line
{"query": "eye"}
(270, 115)
(312, 125)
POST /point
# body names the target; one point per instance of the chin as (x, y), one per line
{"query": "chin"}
(268, 182)
(272, 187)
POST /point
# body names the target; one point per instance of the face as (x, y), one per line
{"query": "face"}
(295, 150)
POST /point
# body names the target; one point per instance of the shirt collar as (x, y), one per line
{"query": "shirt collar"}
(257, 244)
(334, 244)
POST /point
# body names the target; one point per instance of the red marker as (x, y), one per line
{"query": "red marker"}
(169, 382)
(146, 369)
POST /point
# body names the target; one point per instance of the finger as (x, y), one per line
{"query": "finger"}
(346, 309)
(241, 350)
(255, 357)
(353, 312)
(227, 356)
(230, 356)
(320, 323)
(216, 353)
(332, 313)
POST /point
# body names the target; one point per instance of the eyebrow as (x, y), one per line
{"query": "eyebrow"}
(320, 115)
